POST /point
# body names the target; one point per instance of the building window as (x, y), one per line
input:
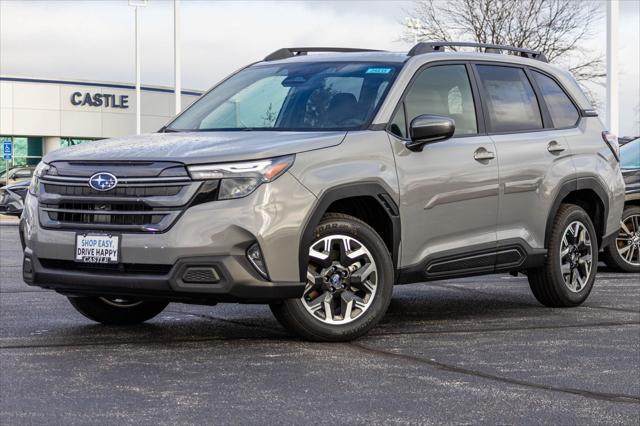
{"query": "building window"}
(64, 142)
(27, 151)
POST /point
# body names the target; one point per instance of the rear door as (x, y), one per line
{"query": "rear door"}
(534, 157)
(449, 190)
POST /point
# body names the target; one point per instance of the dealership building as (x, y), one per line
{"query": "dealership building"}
(40, 115)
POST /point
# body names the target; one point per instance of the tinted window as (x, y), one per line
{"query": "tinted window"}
(563, 112)
(511, 101)
(295, 96)
(443, 90)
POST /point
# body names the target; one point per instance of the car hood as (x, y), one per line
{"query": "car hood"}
(22, 184)
(198, 147)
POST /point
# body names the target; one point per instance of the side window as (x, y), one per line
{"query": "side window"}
(440, 90)
(399, 123)
(511, 101)
(563, 112)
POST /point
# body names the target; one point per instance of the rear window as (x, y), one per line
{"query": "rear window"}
(511, 101)
(563, 112)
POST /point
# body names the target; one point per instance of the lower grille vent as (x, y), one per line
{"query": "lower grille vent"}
(132, 268)
(200, 275)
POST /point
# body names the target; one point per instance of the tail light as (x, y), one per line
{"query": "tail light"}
(612, 142)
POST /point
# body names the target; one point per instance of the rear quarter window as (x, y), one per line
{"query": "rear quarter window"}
(563, 112)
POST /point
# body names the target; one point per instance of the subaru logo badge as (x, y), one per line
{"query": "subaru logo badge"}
(103, 181)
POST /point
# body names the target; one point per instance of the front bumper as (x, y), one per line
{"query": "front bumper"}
(215, 234)
(235, 282)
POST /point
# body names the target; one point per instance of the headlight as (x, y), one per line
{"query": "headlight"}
(40, 170)
(238, 180)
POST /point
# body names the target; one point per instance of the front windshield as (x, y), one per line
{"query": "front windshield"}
(630, 155)
(297, 96)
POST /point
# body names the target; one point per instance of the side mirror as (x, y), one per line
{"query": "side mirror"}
(428, 128)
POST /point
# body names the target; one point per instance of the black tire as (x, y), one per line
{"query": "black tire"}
(109, 311)
(547, 282)
(294, 316)
(612, 257)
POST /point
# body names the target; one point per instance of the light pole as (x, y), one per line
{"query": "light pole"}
(612, 66)
(136, 4)
(176, 54)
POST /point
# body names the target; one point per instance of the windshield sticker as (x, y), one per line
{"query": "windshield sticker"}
(378, 70)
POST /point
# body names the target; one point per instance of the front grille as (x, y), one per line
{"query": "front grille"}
(131, 191)
(138, 204)
(107, 268)
(103, 213)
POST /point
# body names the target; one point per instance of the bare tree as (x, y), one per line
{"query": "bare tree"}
(560, 29)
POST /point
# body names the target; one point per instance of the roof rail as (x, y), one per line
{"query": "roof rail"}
(438, 46)
(288, 52)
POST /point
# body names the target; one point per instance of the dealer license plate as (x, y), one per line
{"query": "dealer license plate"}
(97, 248)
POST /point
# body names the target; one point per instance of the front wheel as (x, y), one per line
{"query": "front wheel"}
(567, 277)
(624, 253)
(349, 283)
(117, 311)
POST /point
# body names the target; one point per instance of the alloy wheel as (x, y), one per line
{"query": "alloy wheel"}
(342, 280)
(628, 240)
(576, 256)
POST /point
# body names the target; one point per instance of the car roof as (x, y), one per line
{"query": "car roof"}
(402, 57)
(368, 56)
(413, 62)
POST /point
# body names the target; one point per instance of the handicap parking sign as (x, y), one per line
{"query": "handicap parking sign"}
(7, 149)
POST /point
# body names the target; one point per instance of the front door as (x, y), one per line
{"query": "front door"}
(449, 190)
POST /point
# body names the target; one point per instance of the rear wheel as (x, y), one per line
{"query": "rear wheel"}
(624, 253)
(117, 311)
(349, 283)
(567, 277)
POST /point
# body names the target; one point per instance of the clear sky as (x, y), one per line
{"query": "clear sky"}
(93, 40)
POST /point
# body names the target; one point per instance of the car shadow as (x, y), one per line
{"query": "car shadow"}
(183, 324)
(459, 305)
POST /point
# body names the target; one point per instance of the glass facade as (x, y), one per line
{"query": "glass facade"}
(64, 142)
(27, 151)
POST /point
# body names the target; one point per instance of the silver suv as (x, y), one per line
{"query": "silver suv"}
(316, 182)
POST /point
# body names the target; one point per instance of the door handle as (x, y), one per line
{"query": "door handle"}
(482, 154)
(554, 147)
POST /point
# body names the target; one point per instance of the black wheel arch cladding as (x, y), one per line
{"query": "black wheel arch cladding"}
(571, 191)
(373, 190)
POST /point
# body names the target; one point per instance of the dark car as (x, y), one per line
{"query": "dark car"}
(17, 174)
(12, 198)
(624, 253)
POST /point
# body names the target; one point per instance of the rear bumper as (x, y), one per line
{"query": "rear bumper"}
(235, 282)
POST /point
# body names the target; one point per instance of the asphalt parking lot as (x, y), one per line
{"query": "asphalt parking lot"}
(474, 350)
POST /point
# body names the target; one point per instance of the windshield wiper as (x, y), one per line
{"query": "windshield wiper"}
(166, 129)
(231, 129)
